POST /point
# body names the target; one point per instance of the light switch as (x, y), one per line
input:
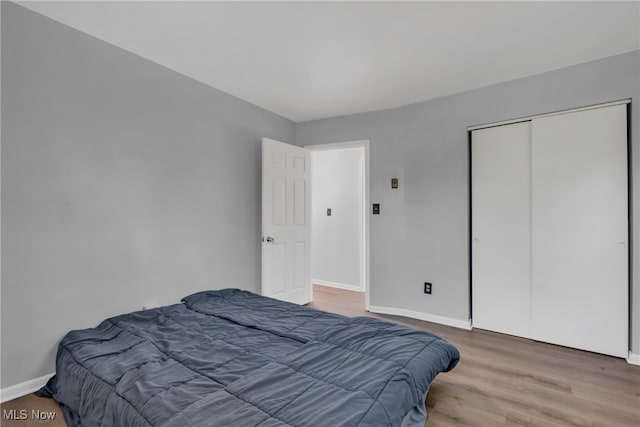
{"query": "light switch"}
(328, 211)
(376, 208)
(394, 182)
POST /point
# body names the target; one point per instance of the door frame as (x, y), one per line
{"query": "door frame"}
(365, 261)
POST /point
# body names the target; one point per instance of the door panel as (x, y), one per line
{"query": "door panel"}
(500, 227)
(299, 202)
(580, 236)
(299, 163)
(279, 268)
(279, 201)
(286, 230)
(299, 253)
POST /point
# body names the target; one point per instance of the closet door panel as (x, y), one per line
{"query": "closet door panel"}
(500, 224)
(579, 230)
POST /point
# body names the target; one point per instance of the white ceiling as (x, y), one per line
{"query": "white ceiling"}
(311, 60)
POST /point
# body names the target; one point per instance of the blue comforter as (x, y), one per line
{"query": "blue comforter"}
(234, 358)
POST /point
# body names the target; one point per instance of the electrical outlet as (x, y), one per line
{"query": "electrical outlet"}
(427, 288)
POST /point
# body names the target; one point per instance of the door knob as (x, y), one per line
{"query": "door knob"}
(270, 239)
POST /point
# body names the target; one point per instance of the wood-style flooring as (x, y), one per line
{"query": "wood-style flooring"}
(500, 381)
(503, 380)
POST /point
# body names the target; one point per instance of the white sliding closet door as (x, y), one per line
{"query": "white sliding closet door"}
(579, 230)
(501, 228)
(550, 229)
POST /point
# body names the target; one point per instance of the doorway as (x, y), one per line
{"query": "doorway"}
(339, 218)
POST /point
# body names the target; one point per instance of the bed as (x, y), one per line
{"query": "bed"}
(234, 358)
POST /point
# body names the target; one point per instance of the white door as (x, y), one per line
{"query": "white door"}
(550, 229)
(286, 225)
(580, 238)
(500, 224)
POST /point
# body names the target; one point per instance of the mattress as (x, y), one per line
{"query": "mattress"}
(234, 358)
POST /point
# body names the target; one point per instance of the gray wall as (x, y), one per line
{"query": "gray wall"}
(123, 183)
(422, 233)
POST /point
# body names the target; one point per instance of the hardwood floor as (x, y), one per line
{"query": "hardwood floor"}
(500, 381)
(503, 380)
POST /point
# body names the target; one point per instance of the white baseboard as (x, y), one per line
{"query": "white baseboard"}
(634, 358)
(19, 390)
(442, 320)
(337, 285)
